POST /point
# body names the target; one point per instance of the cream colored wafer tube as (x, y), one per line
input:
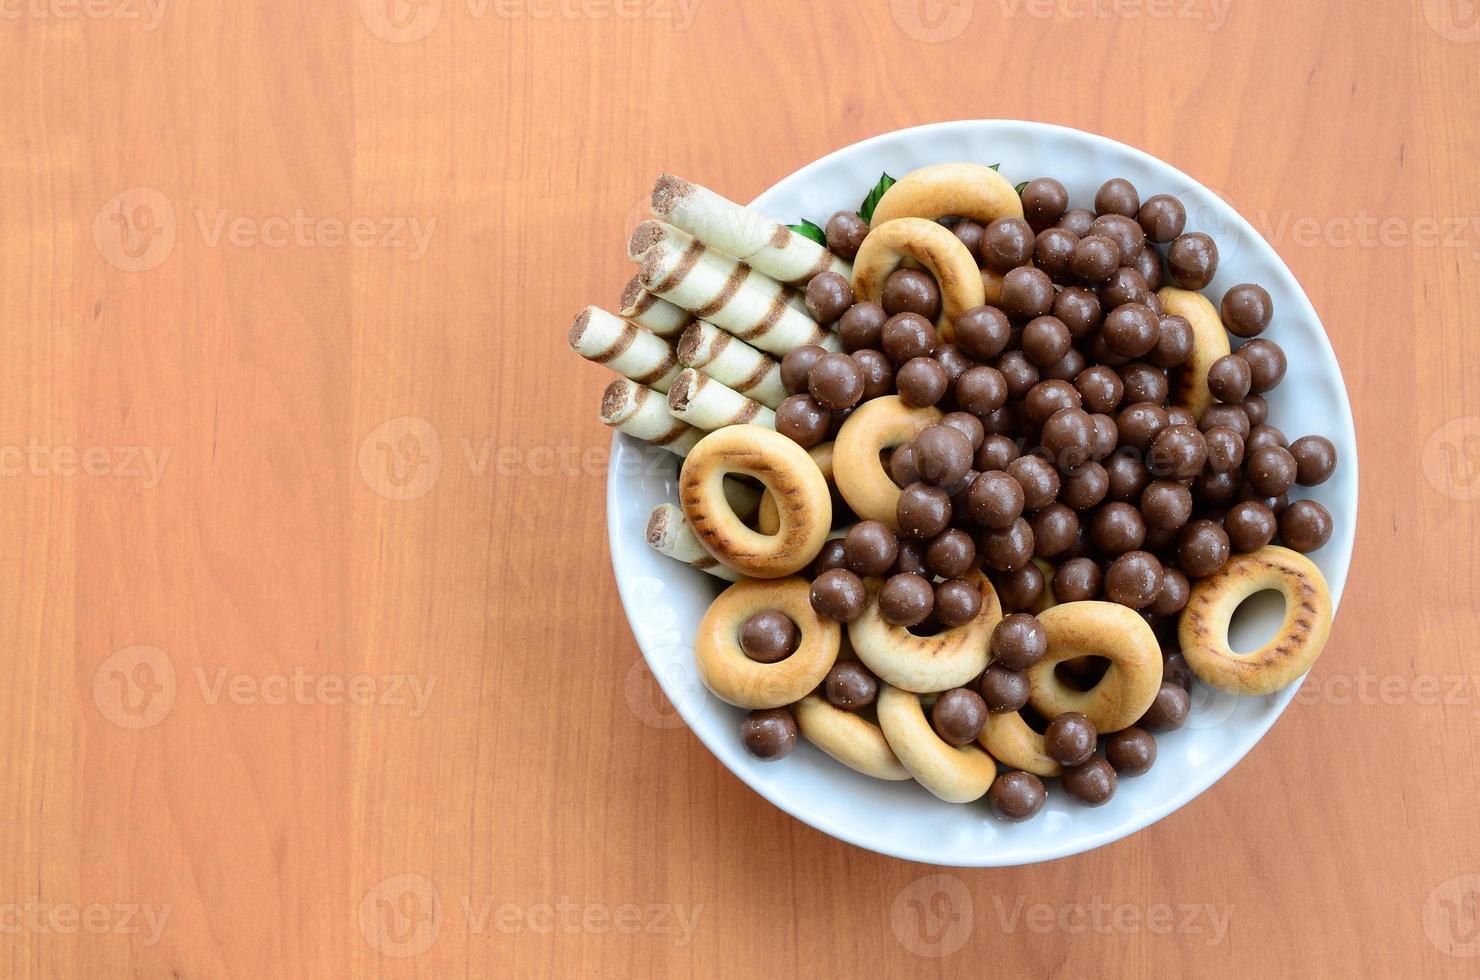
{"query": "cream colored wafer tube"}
(707, 404)
(652, 311)
(732, 362)
(760, 242)
(730, 295)
(643, 413)
(669, 532)
(632, 351)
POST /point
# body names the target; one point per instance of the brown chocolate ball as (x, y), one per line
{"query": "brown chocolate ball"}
(1052, 251)
(1127, 475)
(1055, 529)
(1003, 689)
(1271, 470)
(1117, 528)
(1006, 244)
(942, 454)
(1078, 309)
(1021, 588)
(1077, 580)
(983, 332)
(1070, 739)
(1175, 670)
(1007, 549)
(1046, 340)
(1162, 218)
(911, 291)
(1125, 285)
(835, 382)
(1246, 310)
(768, 636)
(838, 595)
(1124, 232)
(803, 421)
(1148, 263)
(1017, 796)
(1267, 364)
(1077, 220)
(1144, 382)
(1305, 526)
(996, 453)
(1027, 292)
(1229, 378)
(921, 382)
(1169, 710)
(845, 233)
(1173, 342)
(1100, 388)
(911, 558)
(1261, 436)
(1141, 424)
(1202, 548)
(1084, 487)
(1044, 201)
(1166, 505)
(1019, 641)
(1095, 258)
(850, 685)
(995, 499)
(1250, 525)
(903, 466)
(969, 426)
(922, 511)
(1225, 449)
(969, 233)
(950, 554)
(1230, 417)
(828, 297)
(1037, 478)
(1131, 751)
(1134, 579)
(1117, 196)
(1178, 453)
(828, 558)
(870, 548)
(797, 365)
(1068, 435)
(1193, 260)
(862, 326)
(877, 371)
(907, 336)
(1175, 591)
(1256, 409)
(1092, 783)
(769, 735)
(1047, 397)
(957, 602)
(958, 717)
(1315, 460)
(981, 390)
(906, 600)
(1131, 330)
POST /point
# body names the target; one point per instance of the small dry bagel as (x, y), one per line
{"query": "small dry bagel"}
(1209, 342)
(735, 678)
(1012, 742)
(1203, 628)
(768, 518)
(1098, 629)
(967, 190)
(925, 664)
(849, 738)
(956, 775)
(805, 511)
(858, 471)
(932, 245)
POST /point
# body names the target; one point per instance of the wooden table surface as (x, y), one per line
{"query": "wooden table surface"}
(314, 665)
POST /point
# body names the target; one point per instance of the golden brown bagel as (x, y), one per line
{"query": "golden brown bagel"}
(858, 472)
(956, 775)
(936, 248)
(768, 518)
(738, 680)
(1098, 629)
(967, 190)
(1014, 744)
(1209, 342)
(848, 737)
(925, 664)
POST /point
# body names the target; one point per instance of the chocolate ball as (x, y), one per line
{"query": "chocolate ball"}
(959, 715)
(1095, 258)
(907, 336)
(1008, 549)
(1175, 670)
(769, 735)
(1225, 450)
(1003, 689)
(828, 558)
(942, 454)
(862, 327)
(1271, 470)
(1100, 388)
(1247, 310)
(1092, 783)
(1315, 460)
(1027, 292)
(870, 548)
(1169, 710)
(797, 365)
(1020, 373)
(1178, 452)
(957, 602)
(922, 511)
(1077, 580)
(1134, 579)
(921, 382)
(1006, 244)
(1038, 480)
(768, 636)
(1144, 382)
(1266, 362)
(877, 371)
(981, 391)
(950, 554)
(1166, 505)
(1055, 529)
(969, 233)
(845, 232)
(850, 685)
(1125, 285)
(1068, 435)
(1202, 548)
(1250, 525)
(1052, 251)
(1070, 739)
(1078, 309)
(1127, 475)
(1229, 378)
(1021, 588)
(835, 382)
(1193, 260)
(1047, 397)
(1084, 487)
(1173, 342)
(995, 499)
(969, 426)
(1175, 591)
(983, 332)
(1019, 641)
(828, 297)
(1141, 424)
(1305, 526)
(839, 595)
(1046, 340)
(1117, 528)
(911, 291)
(1044, 201)
(906, 600)
(1131, 751)
(1016, 796)
(803, 421)
(1162, 218)
(1131, 330)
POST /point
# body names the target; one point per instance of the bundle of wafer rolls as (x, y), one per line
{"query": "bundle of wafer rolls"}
(698, 334)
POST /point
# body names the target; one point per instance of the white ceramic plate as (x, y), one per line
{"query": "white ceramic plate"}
(665, 599)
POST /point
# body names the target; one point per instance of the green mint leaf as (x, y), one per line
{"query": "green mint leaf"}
(995, 166)
(866, 210)
(808, 230)
(1019, 188)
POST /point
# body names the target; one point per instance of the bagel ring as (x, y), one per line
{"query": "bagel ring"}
(768, 518)
(926, 664)
(786, 470)
(936, 248)
(1209, 342)
(1098, 629)
(966, 190)
(849, 738)
(1203, 628)
(735, 678)
(877, 425)
(1013, 742)
(956, 775)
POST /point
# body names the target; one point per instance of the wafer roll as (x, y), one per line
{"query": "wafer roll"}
(731, 361)
(669, 532)
(631, 351)
(707, 404)
(654, 312)
(643, 413)
(730, 295)
(760, 242)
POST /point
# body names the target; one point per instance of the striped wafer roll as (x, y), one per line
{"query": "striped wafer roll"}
(760, 242)
(707, 404)
(643, 413)
(731, 361)
(730, 295)
(653, 312)
(631, 351)
(669, 532)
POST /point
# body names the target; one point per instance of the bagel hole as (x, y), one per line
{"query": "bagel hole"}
(1081, 673)
(931, 627)
(1256, 621)
(1033, 719)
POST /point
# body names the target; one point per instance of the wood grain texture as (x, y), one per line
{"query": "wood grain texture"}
(263, 312)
